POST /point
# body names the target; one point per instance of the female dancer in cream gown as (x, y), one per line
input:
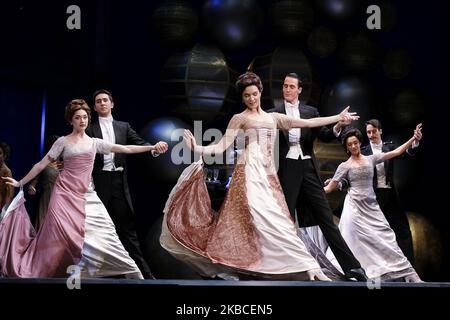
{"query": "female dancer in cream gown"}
(253, 233)
(363, 224)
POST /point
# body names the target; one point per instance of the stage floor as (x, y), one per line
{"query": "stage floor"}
(220, 283)
(225, 299)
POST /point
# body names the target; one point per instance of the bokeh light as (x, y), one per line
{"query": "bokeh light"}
(273, 67)
(292, 20)
(322, 42)
(163, 167)
(198, 84)
(232, 24)
(397, 64)
(175, 23)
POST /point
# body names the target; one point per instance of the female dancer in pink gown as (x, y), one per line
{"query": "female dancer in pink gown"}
(59, 242)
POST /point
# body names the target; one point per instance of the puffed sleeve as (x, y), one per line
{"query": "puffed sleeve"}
(377, 158)
(57, 148)
(102, 146)
(283, 121)
(341, 172)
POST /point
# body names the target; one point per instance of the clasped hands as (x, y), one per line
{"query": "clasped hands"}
(161, 147)
(346, 117)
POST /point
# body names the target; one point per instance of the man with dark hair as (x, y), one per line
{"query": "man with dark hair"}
(384, 186)
(110, 175)
(300, 178)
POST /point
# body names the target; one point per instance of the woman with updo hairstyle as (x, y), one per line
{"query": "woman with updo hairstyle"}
(248, 79)
(253, 234)
(75, 105)
(351, 132)
(363, 225)
(76, 231)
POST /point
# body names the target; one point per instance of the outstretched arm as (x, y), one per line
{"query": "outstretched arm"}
(217, 148)
(331, 186)
(401, 149)
(339, 175)
(160, 147)
(341, 184)
(344, 116)
(37, 168)
(221, 146)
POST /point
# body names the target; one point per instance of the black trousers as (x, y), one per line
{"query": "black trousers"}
(304, 191)
(110, 189)
(390, 205)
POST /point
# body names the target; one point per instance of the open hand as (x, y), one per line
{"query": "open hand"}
(11, 182)
(327, 182)
(190, 140)
(31, 190)
(59, 165)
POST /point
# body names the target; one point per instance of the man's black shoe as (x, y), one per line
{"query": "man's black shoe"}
(358, 273)
(148, 276)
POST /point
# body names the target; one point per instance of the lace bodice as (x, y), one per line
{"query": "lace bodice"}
(78, 162)
(255, 136)
(249, 130)
(359, 176)
(62, 147)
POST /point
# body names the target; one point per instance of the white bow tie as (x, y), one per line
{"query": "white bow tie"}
(377, 146)
(290, 105)
(109, 119)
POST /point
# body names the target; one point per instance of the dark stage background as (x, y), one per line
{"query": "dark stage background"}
(137, 49)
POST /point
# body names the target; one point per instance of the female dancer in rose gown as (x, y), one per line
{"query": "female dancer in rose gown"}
(63, 240)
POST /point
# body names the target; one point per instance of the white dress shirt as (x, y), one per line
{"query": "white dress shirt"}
(106, 125)
(381, 171)
(295, 150)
